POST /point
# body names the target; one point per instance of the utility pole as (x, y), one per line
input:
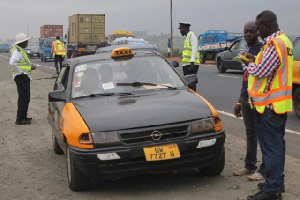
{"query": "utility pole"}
(171, 17)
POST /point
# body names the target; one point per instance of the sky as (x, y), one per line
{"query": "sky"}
(153, 16)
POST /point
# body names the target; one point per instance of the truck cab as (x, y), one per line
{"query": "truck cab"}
(45, 48)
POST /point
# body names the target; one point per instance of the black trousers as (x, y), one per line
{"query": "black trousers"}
(186, 71)
(58, 58)
(23, 88)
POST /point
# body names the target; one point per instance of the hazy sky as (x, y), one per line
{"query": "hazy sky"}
(152, 16)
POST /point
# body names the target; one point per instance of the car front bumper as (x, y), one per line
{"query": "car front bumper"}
(132, 160)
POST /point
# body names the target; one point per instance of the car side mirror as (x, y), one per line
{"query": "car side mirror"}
(174, 63)
(57, 95)
(191, 79)
(226, 48)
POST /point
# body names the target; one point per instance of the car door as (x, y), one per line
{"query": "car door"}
(55, 108)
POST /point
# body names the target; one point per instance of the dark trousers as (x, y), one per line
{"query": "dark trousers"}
(186, 71)
(251, 141)
(23, 88)
(58, 58)
(270, 129)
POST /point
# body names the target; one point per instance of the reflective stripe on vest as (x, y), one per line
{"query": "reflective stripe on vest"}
(25, 65)
(187, 52)
(58, 48)
(280, 93)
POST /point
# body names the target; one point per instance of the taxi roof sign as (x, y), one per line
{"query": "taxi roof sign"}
(122, 52)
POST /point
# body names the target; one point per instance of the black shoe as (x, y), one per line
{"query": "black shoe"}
(261, 185)
(261, 195)
(28, 118)
(23, 122)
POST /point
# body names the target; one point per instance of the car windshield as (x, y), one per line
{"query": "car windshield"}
(34, 48)
(242, 45)
(119, 77)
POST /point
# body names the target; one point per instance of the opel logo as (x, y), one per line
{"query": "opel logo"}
(156, 135)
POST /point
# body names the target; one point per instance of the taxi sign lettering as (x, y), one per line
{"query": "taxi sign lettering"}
(121, 52)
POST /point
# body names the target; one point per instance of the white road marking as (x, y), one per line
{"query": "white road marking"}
(232, 115)
(228, 76)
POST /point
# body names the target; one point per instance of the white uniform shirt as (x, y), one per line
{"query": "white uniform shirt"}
(17, 57)
(194, 44)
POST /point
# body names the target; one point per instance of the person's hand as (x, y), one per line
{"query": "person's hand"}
(237, 110)
(191, 67)
(33, 66)
(249, 56)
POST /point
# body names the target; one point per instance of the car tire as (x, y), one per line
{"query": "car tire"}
(55, 145)
(220, 65)
(216, 168)
(76, 179)
(296, 101)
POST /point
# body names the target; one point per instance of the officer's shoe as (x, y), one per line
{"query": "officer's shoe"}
(28, 118)
(261, 195)
(23, 122)
(261, 185)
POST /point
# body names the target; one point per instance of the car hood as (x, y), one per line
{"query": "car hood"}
(158, 108)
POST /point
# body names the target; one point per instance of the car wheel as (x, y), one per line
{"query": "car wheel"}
(202, 58)
(55, 145)
(220, 66)
(216, 168)
(76, 179)
(296, 101)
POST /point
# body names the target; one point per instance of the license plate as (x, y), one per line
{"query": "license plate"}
(34, 54)
(164, 152)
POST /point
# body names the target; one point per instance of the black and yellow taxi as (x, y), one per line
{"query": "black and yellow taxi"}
(126, 112)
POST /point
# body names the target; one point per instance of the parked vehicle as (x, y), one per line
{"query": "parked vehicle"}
(33, 51)
(212, 42)
(86, 34)
(132, 46)
(296, 77)
(126, 112)
(224, 60)
(4, 47)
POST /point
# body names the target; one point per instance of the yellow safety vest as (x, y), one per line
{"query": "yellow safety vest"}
(25, 65)
(58, 48)
(280, 93)
(187, 52)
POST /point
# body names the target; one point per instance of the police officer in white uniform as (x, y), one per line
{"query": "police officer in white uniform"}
(21, 71)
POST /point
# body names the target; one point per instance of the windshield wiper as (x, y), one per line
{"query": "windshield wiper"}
(105, 94)
(140, 84)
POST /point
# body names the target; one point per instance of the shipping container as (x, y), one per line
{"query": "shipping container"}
(51, 31)
(86, 33)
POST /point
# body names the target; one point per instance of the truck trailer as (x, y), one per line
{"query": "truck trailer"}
(86, 34)
(212, 42)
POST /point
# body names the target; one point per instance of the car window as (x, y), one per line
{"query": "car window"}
(62, 79)
(242, 45)
(296, 46)
(99, 77)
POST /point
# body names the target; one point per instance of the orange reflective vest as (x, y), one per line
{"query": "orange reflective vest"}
(58, 48)
(280, 93)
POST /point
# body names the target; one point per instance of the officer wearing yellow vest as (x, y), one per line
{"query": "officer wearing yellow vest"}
(270, 91)
(190, 53)
(21, 72)
(59, 52)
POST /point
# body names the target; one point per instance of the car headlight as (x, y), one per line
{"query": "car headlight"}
(105, 137)
(202, 125)
(28, 52)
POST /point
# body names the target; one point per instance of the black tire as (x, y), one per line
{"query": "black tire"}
(76, 179)
(55, 145)
(202, 58)
(296, 101)
(220, 66)
(216, 168)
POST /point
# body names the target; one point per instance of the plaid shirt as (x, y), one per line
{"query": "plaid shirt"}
(269, 63)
